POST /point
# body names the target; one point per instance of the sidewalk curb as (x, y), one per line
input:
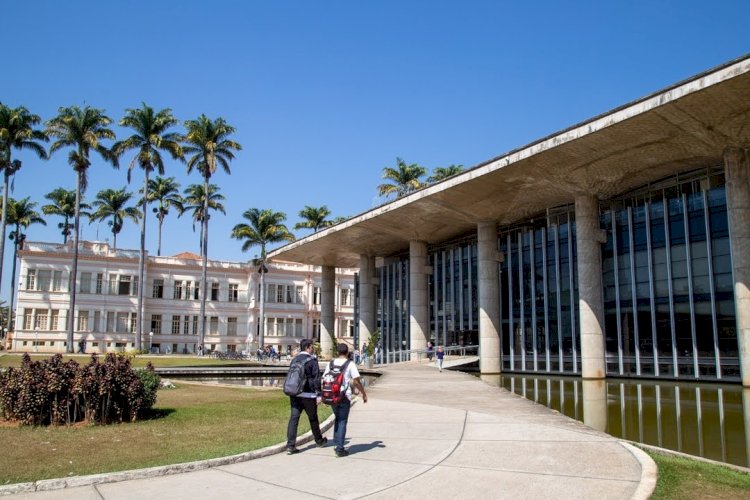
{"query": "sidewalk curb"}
(649, 472)
(161, 470)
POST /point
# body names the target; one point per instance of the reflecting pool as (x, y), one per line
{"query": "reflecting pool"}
(705, 420)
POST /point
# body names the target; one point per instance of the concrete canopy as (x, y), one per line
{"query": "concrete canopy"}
(685, 126)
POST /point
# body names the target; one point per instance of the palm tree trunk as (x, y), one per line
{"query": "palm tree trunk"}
(161, 221)
(11, 323)
(74, 273)
(262, 318)
(204, 278)
(4, 219)
(141, 266)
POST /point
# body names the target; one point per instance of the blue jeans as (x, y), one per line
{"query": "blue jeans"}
(341, 412)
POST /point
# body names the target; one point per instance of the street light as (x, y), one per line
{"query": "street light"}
(150, 341)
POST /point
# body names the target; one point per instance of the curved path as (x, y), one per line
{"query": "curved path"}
(422, 434)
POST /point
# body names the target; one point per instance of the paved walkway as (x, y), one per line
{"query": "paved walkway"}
(422, 434)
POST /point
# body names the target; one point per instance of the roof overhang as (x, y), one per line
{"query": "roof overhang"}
(688, 125)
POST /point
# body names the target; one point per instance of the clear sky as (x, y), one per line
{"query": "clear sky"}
(325, 94)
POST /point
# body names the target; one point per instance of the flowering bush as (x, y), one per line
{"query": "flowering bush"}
(56, 392)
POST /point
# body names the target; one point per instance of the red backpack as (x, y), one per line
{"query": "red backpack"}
(332, 385)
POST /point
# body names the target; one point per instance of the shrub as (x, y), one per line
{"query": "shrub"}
(56, 392)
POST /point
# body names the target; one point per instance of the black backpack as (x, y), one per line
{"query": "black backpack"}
(294, 384)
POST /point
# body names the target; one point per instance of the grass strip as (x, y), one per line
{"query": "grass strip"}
(686, 479)
(191, 422)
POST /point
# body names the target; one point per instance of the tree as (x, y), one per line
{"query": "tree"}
(195, 202)
(404, 179)
(264, 227)
(440, 173)
(20, 214)
(16, 132)
(113, 203)
(64, 204)
(150, 138)
(166, 192)
(208, 143)
(83, 130)
(315, 218)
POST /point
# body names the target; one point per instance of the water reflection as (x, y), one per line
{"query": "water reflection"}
(254, 381)
(706, 420)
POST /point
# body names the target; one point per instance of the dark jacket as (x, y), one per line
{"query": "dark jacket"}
(312, 374)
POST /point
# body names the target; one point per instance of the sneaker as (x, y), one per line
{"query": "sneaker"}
(292, 451)
(322, 442)
(342, 453)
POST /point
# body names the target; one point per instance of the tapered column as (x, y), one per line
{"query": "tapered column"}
(590, 297)
(366, 298)
(489, 303)
(737, 173)
(418, 314)
(327, 311)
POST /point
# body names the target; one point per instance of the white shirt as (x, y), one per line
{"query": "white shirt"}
(350, 374)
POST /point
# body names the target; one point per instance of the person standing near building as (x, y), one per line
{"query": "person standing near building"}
(440, 355)
(341, 410)
(308, 400)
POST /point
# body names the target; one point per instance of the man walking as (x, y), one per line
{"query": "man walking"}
(341, 410)
(308, 400)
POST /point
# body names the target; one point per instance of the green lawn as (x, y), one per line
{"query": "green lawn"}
(14, 359)
(685, 479)
(193, 422)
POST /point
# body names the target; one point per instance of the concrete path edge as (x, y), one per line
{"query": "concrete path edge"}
(649, 472)
(161, 470)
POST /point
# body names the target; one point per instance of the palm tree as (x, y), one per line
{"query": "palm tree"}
(82, 130)
(166, 192)
(16, 132)
(315, 218)
(195, 202)
(404, 179)
(112, 203)
(265, 226)
(209, 144)
(64, 204)
(440, 173)
(21, 213)
(150, 139)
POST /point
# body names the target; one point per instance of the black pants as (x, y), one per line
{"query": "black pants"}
(311, 408)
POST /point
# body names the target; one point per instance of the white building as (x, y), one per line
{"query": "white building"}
(106, 301)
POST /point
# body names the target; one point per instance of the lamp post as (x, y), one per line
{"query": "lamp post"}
(150, 341)
(262, 270)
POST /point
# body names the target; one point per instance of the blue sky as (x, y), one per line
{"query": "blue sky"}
(325, 94)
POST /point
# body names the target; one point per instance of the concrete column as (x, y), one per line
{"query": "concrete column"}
(366, 298)
(489, 302)
(590, 298)
(595, 404)
(327, 311)
(737, 173)
(419, 326)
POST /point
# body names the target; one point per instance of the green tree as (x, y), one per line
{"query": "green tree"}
(208, 145)
(82, 130)
(403, 179)
(166, 192)
(64, 205)
(112, 203)
(440, 173)
(314, 218)
(195, 202)
(17, 131)
(150, 138)
(21, 214)
(263, 227)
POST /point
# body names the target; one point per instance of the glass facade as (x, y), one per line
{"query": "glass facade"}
(666, 276)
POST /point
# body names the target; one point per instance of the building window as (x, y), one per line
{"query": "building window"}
(234, 292)
(316, 329)
(85, 282)
(231, 326)
(316, 295)
(346, 296)
(54, 319)
(122, 322)
(40, 322)
(158, 292)
(57, 281)
(214, 291)
(195, 325)
(186, 326)
(177, 295)
(31, 279)
(123, 284)
(83, 321)
(280, 293)
(99, 282)
(213, 325)
(44, 281)
(271, 293)
(156, 324)
(299, 294)
(298, 327)
(196, 291)
(97, 320)
(175, 325)
(110, 321)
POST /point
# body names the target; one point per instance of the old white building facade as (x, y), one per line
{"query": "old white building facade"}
(107, 302)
